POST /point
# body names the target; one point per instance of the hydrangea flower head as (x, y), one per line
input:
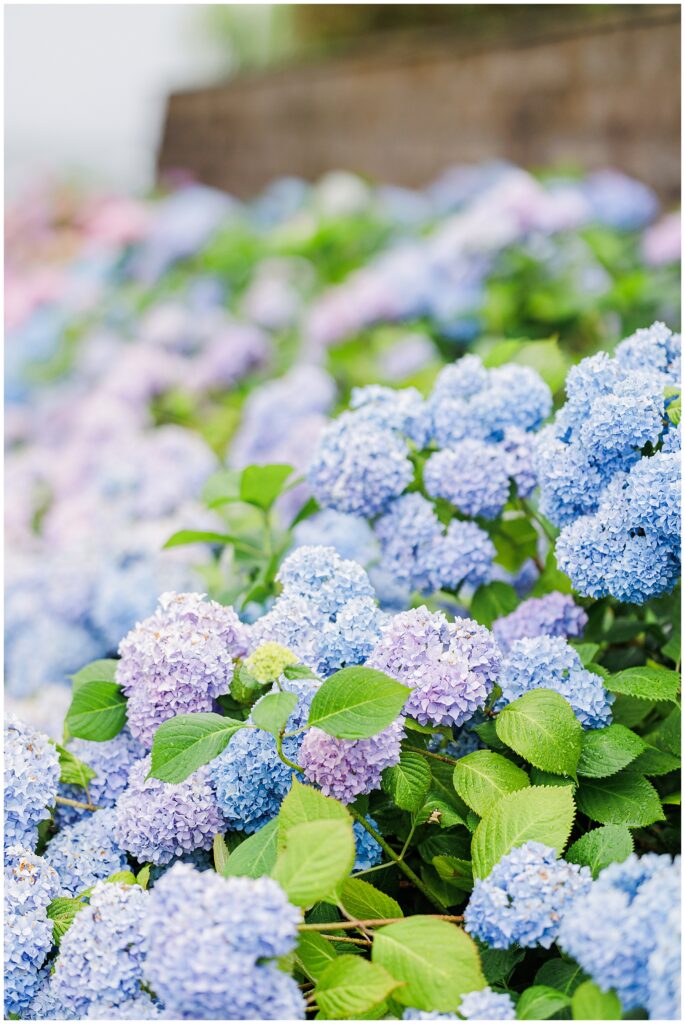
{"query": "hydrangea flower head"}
(31, 779)
(267, 662)
(111, 760)
(553, 614)
(325, 579)
(86, 852)
(399, 409)
(156, 820)
(487, 1005)
(345, 769)
(450, 667)
(179, 660)
(368, 853)
(472, 475)
(548, 662)
(524, 898)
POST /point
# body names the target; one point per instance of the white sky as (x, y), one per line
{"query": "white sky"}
(85, 86)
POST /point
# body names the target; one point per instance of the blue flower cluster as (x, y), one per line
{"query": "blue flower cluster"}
(111, 760)
(31, 776)
(368, 852)
(30, 884)
(326, 613)
(612, 932)
(604, 477)
(548, 662)
(207, 939)
(553, 614)
(86, 852)
(487, 1005)
(524, 898)
(450, 667)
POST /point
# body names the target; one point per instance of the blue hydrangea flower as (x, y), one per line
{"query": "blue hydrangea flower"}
(156, 820)
(548, 662)
(517, 448)
(31, 778)
(614, 928)
(524, 898)
(463, 557)
(177, 661)
(30, 884)
(45, 1005)
(663, 967)
(359, 467)
(654, 348)
(351, 536)
(204, 935)
(487, 1005)
(553, 614)
(111, 760)
(472, 475)
(249, 778)
(368, 853)
(407, 533)
(411, 1014)
(86, 852)
(450, 667)
(399, 409)
(140, 1007)
(345, 769)
(325, 579)
(101, 956)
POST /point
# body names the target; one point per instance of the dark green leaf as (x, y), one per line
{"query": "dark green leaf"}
(563, 975)
(542, 728)
(606, 751)
(601, 847)
(493, 600)
(97, 711)
(183, 744)
(408, 782)
(623, 799)
(646, 683)
(655, 762)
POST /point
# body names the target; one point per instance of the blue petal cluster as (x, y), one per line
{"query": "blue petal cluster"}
(207, 938)
(617, 933)
(368, 852)
(101, 956)
(554, 614)
(524, 898)
(86, 852)
(472, 475)
(450, 667)
(30, 884)
(345, 769)
(111, 760)
(548, 662)
(156, 821)
(31, 780)
(399, 409)
(178, 660)
(487, 1005)
(249, 777)
(140, 1007)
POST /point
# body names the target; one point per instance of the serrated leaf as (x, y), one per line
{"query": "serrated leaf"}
(97, 711)
(491, 601)
(314, 954)
(304, 803)
(261, 485)
(408, 781)
(540, 1002)
(646, 683)
(443, 805)
(586, 652)
(101, 671)
(653, 761)
(498, 964)
(667, 734)
(541, 727)
(606, 751)
(62, 912)
(73, 771)
(316, 858)
(590, 1003)
(630, 711)
(622, 799)
(455, 870)
(541, 813)
(601, 847)
(256, 855)
(350, 986)
(364, 902)
(220, 853)
(184, 743)
(437, 962)
(563, 975)
(273, 711)
(482, 777)
(356, 703)
(540, 778)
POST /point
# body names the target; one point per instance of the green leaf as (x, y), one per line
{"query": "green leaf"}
(261, 485)
(455, 870)
(563, 975)
(498, 964)
(586, 652)
(314, 954)
(590, 1003)
(273, 711)
(101, 671)
(316, 857)
(516, 540)
(183, 744)
(303, 804)
(73, 771)
(350, 986)
(646, 683)
(221, 488)
(442, 805)
(606, 751)
(541, 727)
(629, 711)
(221, 854)
(310, 508)
(437, 962)
(667, 734)
(356, 703)
(122, 878)
(482, 777)
(408, 782)
(97, 711)
(491, 601)
(623, 799)
(541, 813)
(601, 847)
(540, 1002)
(183, 537)
(364, 902)
(256, 856)
(655, 762)
(143, 876)
(62, 912)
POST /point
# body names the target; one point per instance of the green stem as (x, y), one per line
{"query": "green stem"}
(372, 922)
(548, 531)
(284, 759)
(411, 875)
(429, 753)
(75, 803)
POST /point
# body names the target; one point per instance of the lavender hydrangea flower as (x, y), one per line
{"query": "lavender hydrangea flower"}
(611, 931)
(111, 760)
(449, 667)
(472, 475)
(487, 1005)
(30, 884)
(179, 660)
(345, 769)
(548, 662)
(31, 779)
(204, 935)
(524, 898)
(101, 956)
(554, 614)
(156, 820)
(86, 852)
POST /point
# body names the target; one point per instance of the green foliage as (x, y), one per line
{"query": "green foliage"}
(482, 777)
(540, 1002)
(183, 744)
(542, 728)
(606, 751)
(72, 770)
(262, 485)
(600, 847)
(62, 911)
(409, 781)
(646, 682)
(590, 1003)
(625, 798)
(356, 703)
(349, 986)
(315, 858)
(363, 901)
(98, 706)
(303, 804)
(314, 954)
(493, 600)
(273, 711)
(256, 855)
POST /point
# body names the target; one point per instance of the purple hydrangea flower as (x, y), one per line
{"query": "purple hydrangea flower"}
(345, 769)
(111, 761)
(553, 614)
(31, 779)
